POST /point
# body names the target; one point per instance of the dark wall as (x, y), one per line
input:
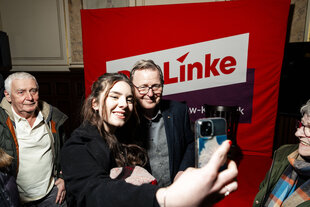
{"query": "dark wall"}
(293, 91)
(5, 53)
(294, 82)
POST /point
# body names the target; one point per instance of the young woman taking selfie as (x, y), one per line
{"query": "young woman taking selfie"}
(103, 165)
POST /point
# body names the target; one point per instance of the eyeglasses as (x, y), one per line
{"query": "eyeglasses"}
(145, 89)
(306, 129)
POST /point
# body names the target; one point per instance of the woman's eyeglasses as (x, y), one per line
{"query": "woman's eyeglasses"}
(306, 129)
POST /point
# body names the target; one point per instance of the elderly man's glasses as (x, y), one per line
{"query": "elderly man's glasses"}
(306, 129)
(145, 89)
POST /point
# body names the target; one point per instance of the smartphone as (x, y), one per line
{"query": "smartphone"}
(209, 135)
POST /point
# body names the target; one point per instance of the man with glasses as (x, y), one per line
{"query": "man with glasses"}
(288, 181)
(164, 124)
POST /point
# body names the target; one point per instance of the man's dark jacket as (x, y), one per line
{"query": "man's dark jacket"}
(180, 137)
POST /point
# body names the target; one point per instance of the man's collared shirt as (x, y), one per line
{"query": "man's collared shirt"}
(34, 178)
(158, 150)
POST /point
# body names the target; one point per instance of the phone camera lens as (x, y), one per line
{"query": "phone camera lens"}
(206, 129)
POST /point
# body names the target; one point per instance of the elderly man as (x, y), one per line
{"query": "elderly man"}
(31, 132)
(165, 124)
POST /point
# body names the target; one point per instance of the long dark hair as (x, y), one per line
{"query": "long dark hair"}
(122, 144)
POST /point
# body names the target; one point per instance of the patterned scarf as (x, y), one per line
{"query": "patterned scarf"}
(285, 192)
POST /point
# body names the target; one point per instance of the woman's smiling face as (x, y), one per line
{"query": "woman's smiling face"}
(117, 107)
(303, 133)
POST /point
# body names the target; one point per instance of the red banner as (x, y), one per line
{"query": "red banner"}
(223, 53)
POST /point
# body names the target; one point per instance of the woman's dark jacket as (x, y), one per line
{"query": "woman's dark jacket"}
(86, 163)
(279, 164)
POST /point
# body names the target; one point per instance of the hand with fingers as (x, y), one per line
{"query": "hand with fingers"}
(61, 195)
(204, 185)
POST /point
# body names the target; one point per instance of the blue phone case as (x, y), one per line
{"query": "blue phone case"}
(207, 143)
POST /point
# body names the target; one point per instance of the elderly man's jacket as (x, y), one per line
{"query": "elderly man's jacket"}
(53, 117)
